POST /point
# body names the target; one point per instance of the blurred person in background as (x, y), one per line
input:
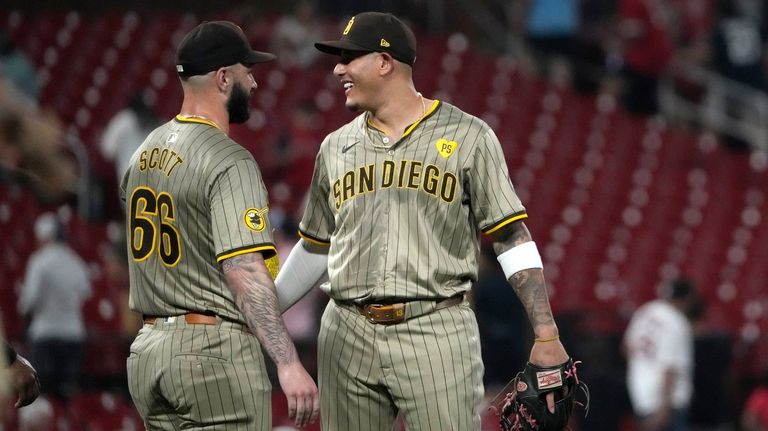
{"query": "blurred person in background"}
(17, 68)
(755, 414)
(294, 34)
(644, 29)
(33, 149)
(659, 346)
(552, 27)
(126, 131)
(738, 54)
(55, 287)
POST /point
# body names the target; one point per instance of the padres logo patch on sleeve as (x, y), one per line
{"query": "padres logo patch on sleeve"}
(254, 218)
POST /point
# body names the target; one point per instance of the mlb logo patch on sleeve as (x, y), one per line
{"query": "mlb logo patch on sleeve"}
(549, 379)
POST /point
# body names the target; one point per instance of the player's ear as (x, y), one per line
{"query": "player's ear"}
(386, 63)
(223, 77)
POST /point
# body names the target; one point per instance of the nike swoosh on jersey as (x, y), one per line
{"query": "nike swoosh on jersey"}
(346, 147)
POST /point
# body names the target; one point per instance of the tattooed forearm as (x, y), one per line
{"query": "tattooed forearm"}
(512, 235)
(528, 284)
(530, 288)
(254, 292)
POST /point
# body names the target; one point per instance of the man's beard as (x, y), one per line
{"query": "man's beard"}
(237, 105)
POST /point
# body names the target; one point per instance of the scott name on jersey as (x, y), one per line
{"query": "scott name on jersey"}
(164, 160)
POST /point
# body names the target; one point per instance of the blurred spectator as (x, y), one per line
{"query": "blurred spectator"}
(659, 348)
(17, 68)
(755, 414)
(644, 28)
(295, 36)
(55, 286)
(300, 138)
(126, 131)
(552, 26)
(737, 45)
(115, 260)
(33, 149)
(294, 156)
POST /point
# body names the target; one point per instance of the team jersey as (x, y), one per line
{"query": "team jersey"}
(402, 219)
(193, 198)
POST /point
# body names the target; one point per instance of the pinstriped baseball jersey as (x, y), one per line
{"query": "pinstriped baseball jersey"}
(193, 198)
(421, 202)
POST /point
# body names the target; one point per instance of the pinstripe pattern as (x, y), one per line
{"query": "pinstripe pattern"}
(211, 204)
(199, 376)
(402, 222)
(402, 242)
(428, 368)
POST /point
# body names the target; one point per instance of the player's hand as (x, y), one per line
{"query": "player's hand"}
(301, 392)
(547, 354)
(24, 381)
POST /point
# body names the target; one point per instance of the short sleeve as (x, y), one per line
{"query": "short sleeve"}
(239, 212)
(493, 198)
(318, 224)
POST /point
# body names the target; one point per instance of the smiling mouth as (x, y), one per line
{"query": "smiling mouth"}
(348, 86)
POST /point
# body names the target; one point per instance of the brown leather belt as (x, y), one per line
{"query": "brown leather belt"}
(390, 314)
(190, 318)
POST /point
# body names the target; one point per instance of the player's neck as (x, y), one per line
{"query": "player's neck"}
(399, 112)
(192, 108)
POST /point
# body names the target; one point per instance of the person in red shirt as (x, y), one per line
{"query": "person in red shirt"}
(644, 30)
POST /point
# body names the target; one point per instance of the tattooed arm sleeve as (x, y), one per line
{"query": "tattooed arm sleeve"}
(528, 284)
(251, 284)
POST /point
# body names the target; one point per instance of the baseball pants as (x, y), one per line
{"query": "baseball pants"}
(199, 377)
(429, 368)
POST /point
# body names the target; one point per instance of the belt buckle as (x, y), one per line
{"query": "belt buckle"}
(384, 314)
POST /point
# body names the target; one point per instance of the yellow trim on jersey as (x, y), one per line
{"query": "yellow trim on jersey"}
(429, 112)
(196, 120)
(312, 240)
(246, 250)
(410, 128)
(506, 222)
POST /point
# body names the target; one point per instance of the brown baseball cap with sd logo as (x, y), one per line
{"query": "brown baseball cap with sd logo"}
(375, 32)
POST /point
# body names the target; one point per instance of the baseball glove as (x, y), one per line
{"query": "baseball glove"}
(522, 406)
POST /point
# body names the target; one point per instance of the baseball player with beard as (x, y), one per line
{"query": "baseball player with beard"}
(202, 257)
(398, 200)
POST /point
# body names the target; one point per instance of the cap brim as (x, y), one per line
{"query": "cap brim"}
(334, 47)
(259, 57)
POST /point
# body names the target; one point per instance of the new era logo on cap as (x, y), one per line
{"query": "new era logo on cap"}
(374, 32)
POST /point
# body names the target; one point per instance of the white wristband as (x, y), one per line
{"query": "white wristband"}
(520, 257)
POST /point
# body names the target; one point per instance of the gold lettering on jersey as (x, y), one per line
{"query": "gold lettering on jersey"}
(431, 179)
(365, 177)
(413, 175)
(164, 160)
(401, 177)
(446, 147)
(387, 174)
(410, 174)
